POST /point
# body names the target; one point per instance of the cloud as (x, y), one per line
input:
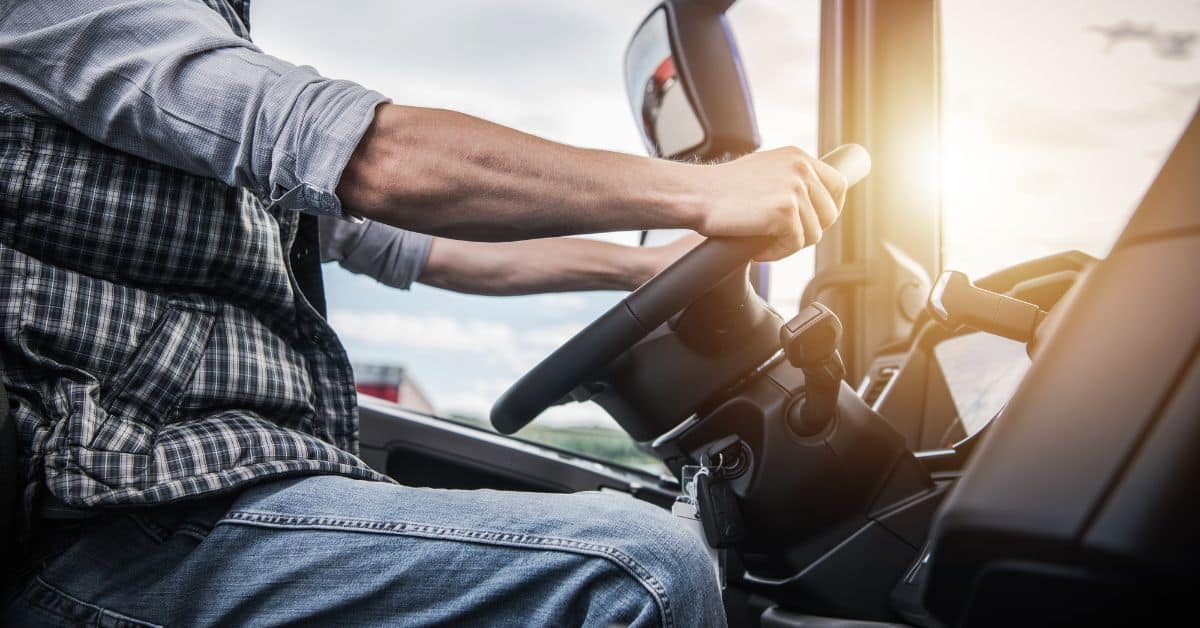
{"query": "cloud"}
(471, 396)
(518, 350)
(560, 303)
(548, 338)
(546, 67)
(429, 332)
(475, 397)
(552, 46)
(1168, 44)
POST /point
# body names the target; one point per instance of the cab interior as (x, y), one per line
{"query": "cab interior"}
(858, 492)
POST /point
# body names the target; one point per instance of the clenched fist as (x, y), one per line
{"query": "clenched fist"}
(783, 193)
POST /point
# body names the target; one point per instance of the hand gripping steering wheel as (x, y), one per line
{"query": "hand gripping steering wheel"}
(628, 322)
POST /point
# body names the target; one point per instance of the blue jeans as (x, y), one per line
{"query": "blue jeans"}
(334, 551)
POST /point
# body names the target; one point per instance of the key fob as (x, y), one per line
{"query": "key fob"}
(719, 513)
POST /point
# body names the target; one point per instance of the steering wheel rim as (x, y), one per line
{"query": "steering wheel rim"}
(621, 327)
(641, 312)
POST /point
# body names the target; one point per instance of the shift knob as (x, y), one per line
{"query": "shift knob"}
(852, 160)
(811, 338)
(955, 301)
(810, 341)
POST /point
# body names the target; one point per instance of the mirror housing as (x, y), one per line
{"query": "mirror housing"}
(686, 85)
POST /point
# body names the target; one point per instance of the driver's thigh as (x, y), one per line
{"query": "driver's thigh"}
(330, 550)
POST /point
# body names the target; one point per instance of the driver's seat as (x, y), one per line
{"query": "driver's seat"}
(8, 484)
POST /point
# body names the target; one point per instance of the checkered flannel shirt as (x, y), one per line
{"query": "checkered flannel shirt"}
(156, 342)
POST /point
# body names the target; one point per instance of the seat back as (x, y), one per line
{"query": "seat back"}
(8, 482)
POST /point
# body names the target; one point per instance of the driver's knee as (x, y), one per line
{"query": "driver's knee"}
(669, 558)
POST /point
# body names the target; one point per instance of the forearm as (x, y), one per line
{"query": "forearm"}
(536, 266)
(456, 176)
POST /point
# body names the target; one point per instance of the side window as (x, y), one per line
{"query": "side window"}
(1056, 118)
(554, 70)
(780, 44)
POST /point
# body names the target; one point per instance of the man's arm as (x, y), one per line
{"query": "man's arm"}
(546, 265)
(397, 258)
(457, 176)
(169, 81)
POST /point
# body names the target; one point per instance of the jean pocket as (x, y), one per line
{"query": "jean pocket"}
(43, 604)
(193, 519)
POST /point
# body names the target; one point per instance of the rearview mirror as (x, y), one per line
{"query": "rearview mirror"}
(685, 83)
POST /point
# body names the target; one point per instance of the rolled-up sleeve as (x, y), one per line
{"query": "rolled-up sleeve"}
(390, 255)
(170, 81)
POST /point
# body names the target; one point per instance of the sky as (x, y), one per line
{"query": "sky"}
(1056, 117)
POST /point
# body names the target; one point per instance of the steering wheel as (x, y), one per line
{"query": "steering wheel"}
(628, 322)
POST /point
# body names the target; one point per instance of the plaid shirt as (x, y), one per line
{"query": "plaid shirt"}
(156, 342)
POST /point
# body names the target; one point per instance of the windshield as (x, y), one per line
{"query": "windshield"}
(1056, 118)
(550, 68)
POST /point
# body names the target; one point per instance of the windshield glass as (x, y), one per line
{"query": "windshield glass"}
(1056, 118)
(550, 68)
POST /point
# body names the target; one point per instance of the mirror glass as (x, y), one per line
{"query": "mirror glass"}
(982, 372)
(668, 123)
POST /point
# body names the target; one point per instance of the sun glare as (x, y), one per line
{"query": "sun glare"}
(1054, 127)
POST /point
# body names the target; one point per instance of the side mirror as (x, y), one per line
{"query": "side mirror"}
(684, 78)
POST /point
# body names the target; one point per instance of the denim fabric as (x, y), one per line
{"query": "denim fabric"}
(335, 551)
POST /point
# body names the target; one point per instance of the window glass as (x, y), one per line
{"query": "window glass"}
(1057, 116)
(780, 43)
(982, 372)
(547, 67)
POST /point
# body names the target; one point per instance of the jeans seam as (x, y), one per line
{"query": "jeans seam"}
(513, 539)
(193, 530)
(39, 581)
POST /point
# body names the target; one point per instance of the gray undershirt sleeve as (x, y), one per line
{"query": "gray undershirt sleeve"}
(390, 255)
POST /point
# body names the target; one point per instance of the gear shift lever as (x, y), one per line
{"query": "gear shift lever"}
(956, 301)
(810, 342)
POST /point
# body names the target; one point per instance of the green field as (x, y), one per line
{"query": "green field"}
(594, 442)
